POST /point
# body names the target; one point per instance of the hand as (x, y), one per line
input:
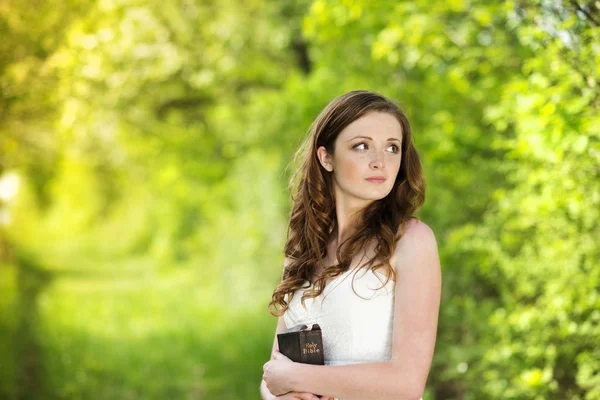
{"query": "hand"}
(277, 373)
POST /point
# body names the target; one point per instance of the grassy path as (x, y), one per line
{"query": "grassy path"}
(123, 329)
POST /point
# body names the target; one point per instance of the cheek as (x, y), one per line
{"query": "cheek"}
(397, 161)
(349, 169)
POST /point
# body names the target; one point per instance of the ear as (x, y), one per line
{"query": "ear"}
(325, 158)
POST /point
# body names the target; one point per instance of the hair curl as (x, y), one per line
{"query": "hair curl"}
(313, 215)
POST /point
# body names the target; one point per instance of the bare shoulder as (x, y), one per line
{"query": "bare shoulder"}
(417, 241)
(415, 231)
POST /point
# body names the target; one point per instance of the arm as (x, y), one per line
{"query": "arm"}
(417, 299)
(265, 394)
(264, 391)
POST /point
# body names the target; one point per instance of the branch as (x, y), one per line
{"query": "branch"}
(585, 12)
(181, 103)
(300, 47)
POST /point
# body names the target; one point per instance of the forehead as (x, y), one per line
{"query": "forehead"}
(378, 125)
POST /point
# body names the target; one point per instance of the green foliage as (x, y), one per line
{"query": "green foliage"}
(150, 144)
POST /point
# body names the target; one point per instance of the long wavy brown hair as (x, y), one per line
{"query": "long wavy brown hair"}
(313, 215)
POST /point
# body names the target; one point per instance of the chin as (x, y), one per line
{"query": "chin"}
(369, 194)
(379, 194)
(374, 196)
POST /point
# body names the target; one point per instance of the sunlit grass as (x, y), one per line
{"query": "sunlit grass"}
(114, 334)
(7, 329)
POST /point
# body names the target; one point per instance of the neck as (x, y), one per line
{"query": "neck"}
(346, 214)
(345, 226)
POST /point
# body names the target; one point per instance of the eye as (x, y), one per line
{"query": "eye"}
(396, 148)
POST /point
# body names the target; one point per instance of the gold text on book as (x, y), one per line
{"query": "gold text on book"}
(310, 348)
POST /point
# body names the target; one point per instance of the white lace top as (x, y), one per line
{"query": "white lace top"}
(355, 330)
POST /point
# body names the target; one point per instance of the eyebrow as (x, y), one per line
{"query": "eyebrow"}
(370, 138)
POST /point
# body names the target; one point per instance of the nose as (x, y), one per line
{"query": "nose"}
(377, 162)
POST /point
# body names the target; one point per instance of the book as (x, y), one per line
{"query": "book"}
(303, 345)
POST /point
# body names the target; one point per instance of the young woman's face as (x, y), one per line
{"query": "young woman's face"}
(368, 148)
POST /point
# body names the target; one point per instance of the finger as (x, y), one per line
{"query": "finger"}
(281, 356)
(307, 396)
(266, 366)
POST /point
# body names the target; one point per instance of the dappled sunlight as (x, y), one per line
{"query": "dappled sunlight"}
(145, 154)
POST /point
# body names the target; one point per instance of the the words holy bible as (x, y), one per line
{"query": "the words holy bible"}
(303, 345)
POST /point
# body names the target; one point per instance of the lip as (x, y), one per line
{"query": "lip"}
(376, 179)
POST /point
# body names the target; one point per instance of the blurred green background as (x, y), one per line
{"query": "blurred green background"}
(145, 150)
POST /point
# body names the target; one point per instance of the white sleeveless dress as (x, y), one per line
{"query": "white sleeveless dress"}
(355, 330)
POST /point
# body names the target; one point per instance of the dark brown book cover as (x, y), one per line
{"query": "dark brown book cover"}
(303, 345)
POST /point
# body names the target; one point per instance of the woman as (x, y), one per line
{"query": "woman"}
(360, 184)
